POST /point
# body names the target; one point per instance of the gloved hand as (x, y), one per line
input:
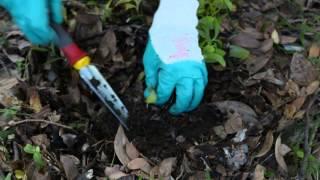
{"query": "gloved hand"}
(173, 59)
(32, 17)
(188, 77)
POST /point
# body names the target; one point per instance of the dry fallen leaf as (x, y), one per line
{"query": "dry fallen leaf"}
(266, 45)
(257, 62)
(284, 149)
(108, 44)
(279, 157)
(253, 33)
(245, 40)
(220, 131)
(288, 39)
(69, 163)
(6, 96)
(41, 140)
(139, 163)
(314, 50)
(284, 123)
(273, 98)
(221, 170)
(275, 37)
(34, 100)
(313, 87)
(7, 83)
(299, 115)
(114, 173)
(267, 145)
(292, 108)
(166, 167)
(292, 88)
(289, 111)
(154, 172)
(301, 70)
(132, 151)
(298, 103)
(233, 124)
(35, 174)
(120, 142)
(246, 113)
(259, 172)
(268, 76)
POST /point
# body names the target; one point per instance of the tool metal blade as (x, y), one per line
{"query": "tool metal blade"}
(97, 83)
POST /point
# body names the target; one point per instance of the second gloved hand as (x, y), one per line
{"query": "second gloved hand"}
(173, 58)
(187, 77)
(32, 17)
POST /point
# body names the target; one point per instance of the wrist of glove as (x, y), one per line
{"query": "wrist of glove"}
(33, 17)
(187, 78)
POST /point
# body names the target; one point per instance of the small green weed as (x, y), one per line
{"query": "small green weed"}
(269, 174)
(4, 134)
(207, 175)
(127, 5)
(305, 27)
(36, 154)
(21, 66)
(8, 177)
(9, 113)
(312, 168)
(210, 14)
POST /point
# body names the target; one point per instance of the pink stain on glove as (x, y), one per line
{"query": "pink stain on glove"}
(182, 51)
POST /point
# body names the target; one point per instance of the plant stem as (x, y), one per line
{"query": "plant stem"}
(307, 148)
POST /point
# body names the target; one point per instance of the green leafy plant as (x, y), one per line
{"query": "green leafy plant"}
(9, 113)
(129, 4)
(238, 52)
(8, 177)
(110, 5)
(312, 164)
(207, 175)
(269, 174)
(21, 66)
(313, 167)
(107, 10)
(4, 134)
(210, 14)
(36, 154)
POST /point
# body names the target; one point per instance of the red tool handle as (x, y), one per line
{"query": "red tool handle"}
(70, 50)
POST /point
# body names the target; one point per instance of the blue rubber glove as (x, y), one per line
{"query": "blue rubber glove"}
(173, 59)
(32, 17)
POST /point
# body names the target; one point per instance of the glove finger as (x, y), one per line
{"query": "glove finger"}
(184, 93)
(165, 87)
(151, 63)
(199, 86)
(31, 36)
(56, 10)
(40, 34)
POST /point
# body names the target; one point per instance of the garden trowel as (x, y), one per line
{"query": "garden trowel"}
(79, 60)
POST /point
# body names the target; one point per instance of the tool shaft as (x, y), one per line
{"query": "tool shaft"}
(79, 59)
(63, 40)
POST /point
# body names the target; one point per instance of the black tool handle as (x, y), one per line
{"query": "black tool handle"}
(63, 38)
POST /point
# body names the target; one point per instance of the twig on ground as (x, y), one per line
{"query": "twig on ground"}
(15, 151)
(306, 137)
(16, 123)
